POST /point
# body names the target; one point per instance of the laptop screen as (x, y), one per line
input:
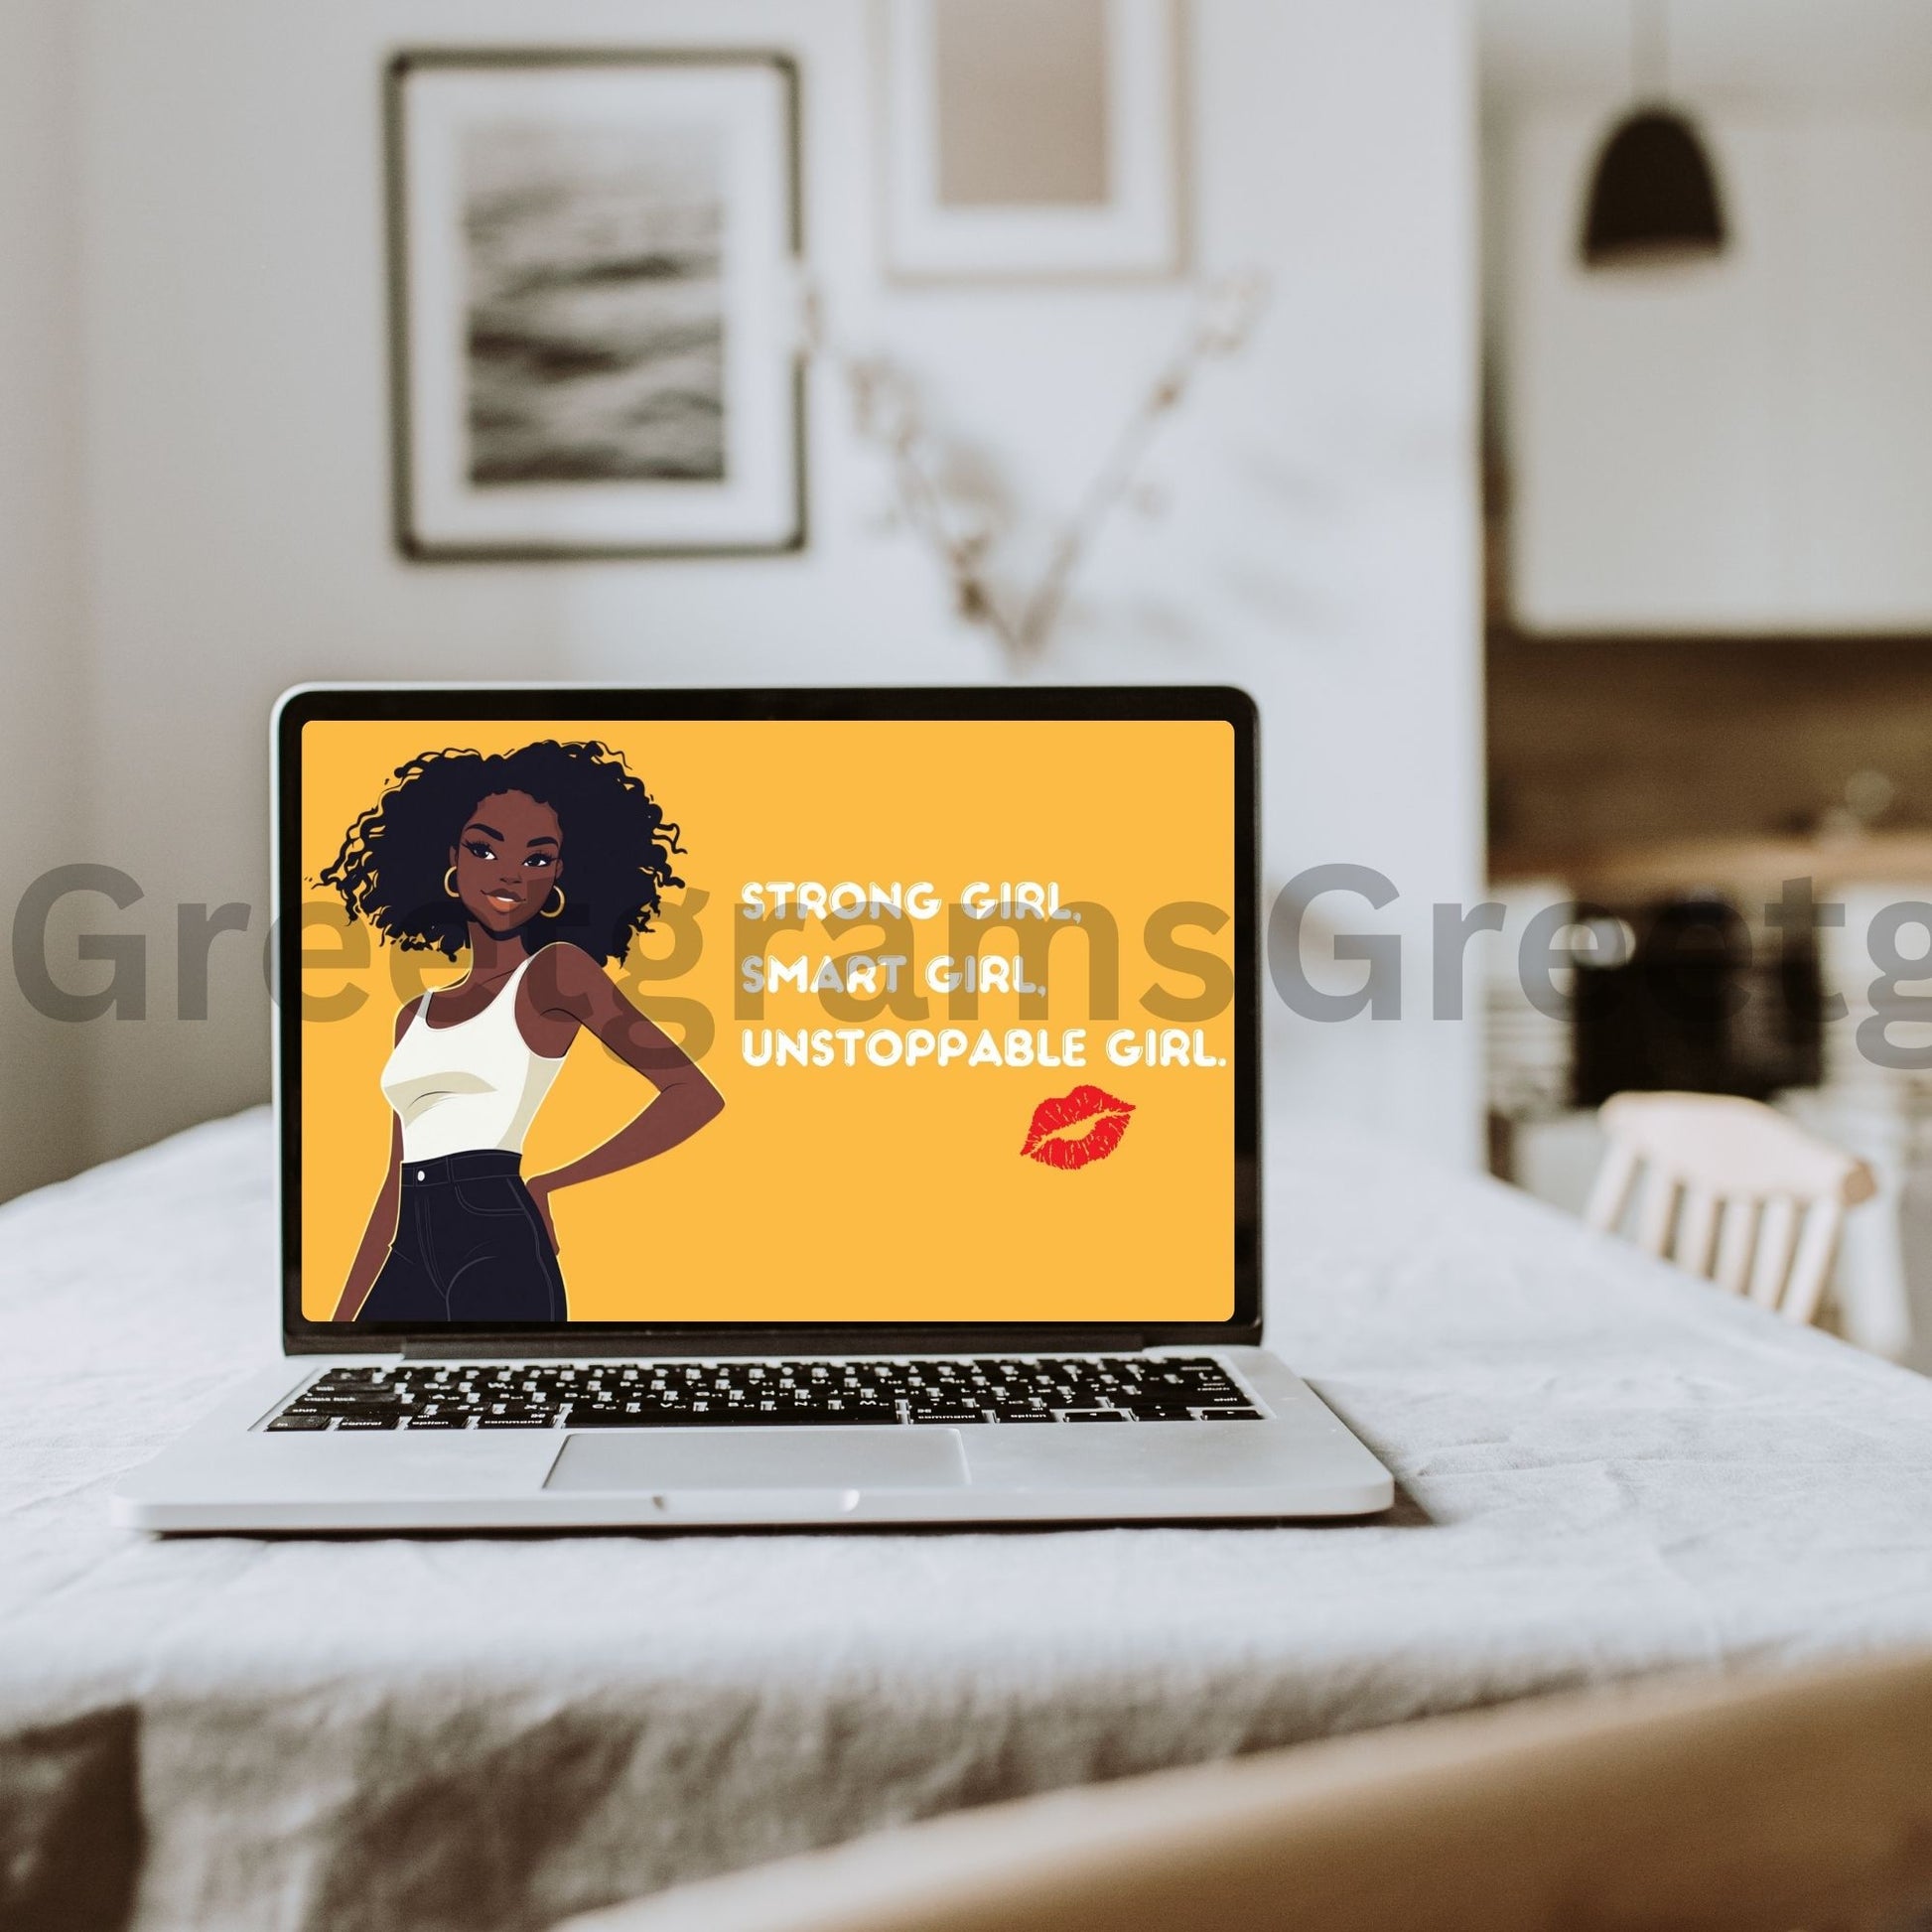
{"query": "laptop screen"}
(703, 1020)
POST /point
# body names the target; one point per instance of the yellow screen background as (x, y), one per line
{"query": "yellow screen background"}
(838, 1195)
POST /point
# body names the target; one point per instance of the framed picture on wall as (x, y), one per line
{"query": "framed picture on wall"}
(593, 309)
(1034, 139)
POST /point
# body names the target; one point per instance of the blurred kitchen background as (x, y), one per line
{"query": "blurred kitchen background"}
(1563, 516)
(1708, 595)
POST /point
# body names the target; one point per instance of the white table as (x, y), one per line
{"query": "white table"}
(1606, 1470)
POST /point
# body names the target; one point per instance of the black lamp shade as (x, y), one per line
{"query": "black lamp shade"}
(1654, 195)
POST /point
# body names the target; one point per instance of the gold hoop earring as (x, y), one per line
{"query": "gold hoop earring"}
(546, 913)
(448, 883)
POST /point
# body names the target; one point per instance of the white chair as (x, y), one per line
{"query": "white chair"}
(1730, 1191)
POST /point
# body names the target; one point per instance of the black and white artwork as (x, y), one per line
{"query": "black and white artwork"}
(596, 321)
(595, 324)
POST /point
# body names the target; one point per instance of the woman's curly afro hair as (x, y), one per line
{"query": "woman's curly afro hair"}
(617, 847)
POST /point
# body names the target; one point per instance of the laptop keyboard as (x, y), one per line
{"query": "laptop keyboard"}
(771, 1393)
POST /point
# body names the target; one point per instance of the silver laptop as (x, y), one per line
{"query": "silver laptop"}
(783, 1107)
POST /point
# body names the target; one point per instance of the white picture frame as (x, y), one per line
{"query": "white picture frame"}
(1133, 229)
(595, 304)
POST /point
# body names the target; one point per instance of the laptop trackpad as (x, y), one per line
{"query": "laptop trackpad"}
(624, 1462)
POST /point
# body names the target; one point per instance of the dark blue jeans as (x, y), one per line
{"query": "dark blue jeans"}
(470, 1246)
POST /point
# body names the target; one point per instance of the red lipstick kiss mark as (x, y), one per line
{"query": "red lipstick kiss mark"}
(1049, 1144)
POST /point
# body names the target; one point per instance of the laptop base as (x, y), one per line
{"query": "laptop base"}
(232, 1474)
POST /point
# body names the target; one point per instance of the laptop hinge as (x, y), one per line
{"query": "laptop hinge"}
(428, 1348)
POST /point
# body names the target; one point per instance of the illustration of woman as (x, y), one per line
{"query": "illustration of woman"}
(499, 855)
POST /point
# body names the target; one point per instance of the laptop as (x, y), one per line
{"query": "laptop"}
(766, 1108)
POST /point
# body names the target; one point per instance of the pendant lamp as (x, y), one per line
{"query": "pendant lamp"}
(1653, 194)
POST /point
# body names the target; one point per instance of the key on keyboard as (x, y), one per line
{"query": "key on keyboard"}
(771, 1393)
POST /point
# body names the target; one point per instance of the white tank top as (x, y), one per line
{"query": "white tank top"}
(474, 1085)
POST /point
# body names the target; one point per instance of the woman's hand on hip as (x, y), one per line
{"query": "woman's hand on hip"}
(538, 1189)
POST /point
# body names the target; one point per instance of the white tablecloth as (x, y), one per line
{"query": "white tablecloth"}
(1605, 1470)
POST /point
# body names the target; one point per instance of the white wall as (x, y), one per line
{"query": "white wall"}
(1321, 551)
(41, 619)
(1741, 444)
